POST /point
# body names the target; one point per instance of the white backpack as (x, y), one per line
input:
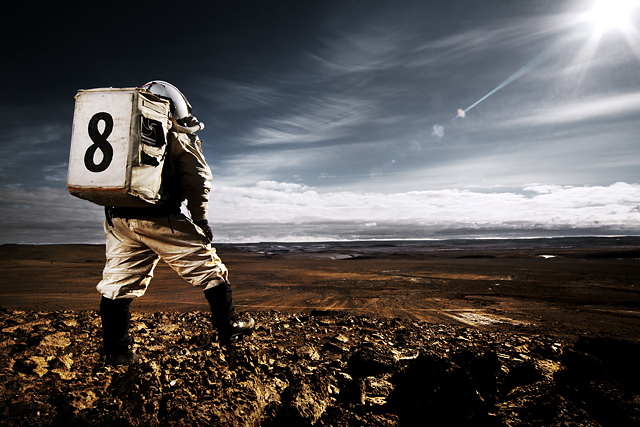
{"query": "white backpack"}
(118, 146)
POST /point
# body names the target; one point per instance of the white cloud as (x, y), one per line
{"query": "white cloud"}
(573, 206)
(56, 172)
(362, 49)
(285, 187)
(237, 96)
(316, 120)
(272, 210)
(474, 42)
(247, 169)
(617, 105)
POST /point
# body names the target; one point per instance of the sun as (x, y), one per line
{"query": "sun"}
(608, 14)
(607, 20)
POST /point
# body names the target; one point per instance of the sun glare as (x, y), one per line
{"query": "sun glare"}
(604, 17)
(605, 21)
(607, 14)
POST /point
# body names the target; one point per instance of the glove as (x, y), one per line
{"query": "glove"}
(204, 226)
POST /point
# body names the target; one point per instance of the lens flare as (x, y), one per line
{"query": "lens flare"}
(539, 59)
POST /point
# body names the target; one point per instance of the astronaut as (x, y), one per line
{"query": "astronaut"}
(138, 237)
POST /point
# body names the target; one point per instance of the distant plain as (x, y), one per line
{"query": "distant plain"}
(564, 287)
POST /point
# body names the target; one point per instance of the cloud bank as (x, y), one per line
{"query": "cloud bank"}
(278, 211)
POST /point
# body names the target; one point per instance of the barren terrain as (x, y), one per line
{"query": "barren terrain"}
(465, 337)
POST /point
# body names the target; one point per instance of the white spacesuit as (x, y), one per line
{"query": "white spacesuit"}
(138, 237)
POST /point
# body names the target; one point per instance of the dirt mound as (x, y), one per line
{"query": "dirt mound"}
(310, 369)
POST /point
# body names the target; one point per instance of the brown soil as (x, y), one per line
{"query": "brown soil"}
(439, 338)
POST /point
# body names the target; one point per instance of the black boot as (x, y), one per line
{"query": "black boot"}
(230, 327)
(116, 318)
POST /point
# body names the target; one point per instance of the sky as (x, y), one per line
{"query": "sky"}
(343, 120)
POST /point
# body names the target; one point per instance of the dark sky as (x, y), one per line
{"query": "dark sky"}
(326, 116)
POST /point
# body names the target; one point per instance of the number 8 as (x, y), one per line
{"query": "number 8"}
(99, 141)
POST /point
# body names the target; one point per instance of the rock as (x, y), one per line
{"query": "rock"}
(375, 386)
(58, 339)
(352, 391)
(333, 348)
(370, 361)
(61, 366)
(587, 380)
(327, 370)
(308, 352)
(435, 386)
(37, 365)
(83, 399)
(306, 401)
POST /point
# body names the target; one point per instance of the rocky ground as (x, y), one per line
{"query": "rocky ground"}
(319, 368)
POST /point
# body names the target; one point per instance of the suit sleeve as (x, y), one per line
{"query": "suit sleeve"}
(193, 172)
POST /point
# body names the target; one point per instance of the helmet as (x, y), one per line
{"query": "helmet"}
(180, 107)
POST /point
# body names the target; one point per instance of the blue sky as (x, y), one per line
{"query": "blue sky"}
(335, 119)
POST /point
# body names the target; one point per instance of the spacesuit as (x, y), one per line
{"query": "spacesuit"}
(137, 238)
